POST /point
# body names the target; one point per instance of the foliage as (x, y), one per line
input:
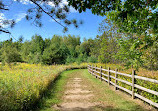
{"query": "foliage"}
(106, 43)
(57, 50)
(129, 53)
(151, 57)
(9, 52)
(129, 49)
(92, 59)
(109, 47)
(134, 16)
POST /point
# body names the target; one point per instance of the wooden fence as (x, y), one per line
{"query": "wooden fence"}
(98, 72)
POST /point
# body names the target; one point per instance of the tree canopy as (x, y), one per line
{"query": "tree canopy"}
(134, 16)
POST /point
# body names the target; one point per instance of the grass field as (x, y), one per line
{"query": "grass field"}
(23, 84)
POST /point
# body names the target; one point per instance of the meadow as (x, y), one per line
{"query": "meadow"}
(22, 85)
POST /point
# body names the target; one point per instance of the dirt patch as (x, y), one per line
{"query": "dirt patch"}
(78, 91)
(77, 105)
(78, 96)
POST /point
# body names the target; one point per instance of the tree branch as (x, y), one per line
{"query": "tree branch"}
(1, 8)
(47, 13)
(5, 31)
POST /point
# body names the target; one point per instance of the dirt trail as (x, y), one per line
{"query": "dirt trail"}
(78, 96)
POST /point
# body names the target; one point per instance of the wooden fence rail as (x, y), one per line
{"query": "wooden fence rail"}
(98, 73)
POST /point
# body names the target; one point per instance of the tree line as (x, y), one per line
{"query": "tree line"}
(110, 46)
(58, 50)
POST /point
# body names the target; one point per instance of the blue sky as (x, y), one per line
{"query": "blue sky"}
(89, 29)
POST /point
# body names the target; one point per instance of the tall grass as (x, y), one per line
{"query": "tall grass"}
(22, 85)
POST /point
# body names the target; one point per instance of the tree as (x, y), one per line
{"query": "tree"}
(56, 52)
(95, 45)
(35, 13)
(134, 16)
(72, 42)
(9, 52)
(150, 57)
(130, 53)
(106, 50)
(85, 48)
(25, 51)
(3, 21)
(36, 49)
(108, 41)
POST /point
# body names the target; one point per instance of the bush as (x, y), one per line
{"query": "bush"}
(92, 59)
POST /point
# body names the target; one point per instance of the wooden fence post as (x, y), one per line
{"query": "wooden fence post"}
(116, 79)
(89, 67)
(133, 81)
(108, 75)
(92, 70)
(96, 70)
(101, 73)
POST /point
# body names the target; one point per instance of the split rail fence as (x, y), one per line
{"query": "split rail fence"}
(98, 73)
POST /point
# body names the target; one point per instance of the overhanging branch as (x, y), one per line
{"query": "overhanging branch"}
(5, 31)
(46, 13)
(1, 8)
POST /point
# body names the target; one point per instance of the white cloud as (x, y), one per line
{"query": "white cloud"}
(64, 2)
(2, 18)
(51, 20)
(19, 17)
(72, 10)
(26, 2)
(51, 4)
